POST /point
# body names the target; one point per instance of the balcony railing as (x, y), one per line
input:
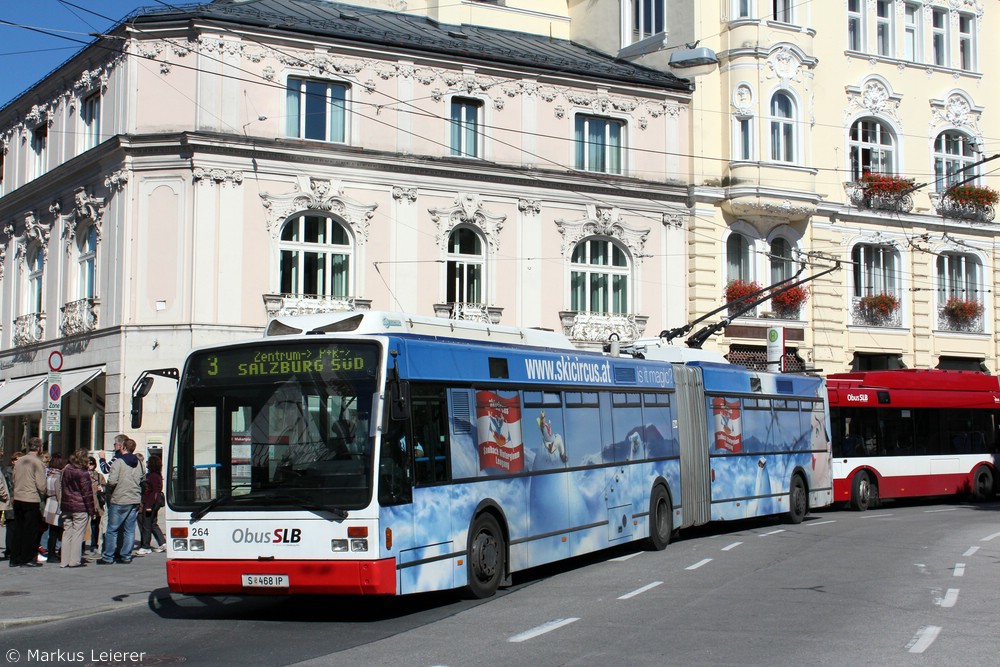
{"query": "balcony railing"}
(947, 207)
(863, 197)
(29, 329)
(79, 316)
(947, 322)
(873, 318)
(469, 312)
(309, 304)
(598, 327)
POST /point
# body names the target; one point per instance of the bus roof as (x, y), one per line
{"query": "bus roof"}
(918, 379)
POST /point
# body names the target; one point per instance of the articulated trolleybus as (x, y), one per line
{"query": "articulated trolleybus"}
(909, 433)
(380, 453)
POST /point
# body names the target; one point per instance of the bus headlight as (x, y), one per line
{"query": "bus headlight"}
(359, 545)
(180, 544)
(338, 546)
(197, 545)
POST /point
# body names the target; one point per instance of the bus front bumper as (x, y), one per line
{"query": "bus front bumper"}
(310, 577)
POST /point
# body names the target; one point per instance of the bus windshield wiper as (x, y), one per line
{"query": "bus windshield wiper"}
(328, 513)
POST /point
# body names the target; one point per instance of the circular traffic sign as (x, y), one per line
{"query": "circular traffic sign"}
(55, 391)
(55, 360)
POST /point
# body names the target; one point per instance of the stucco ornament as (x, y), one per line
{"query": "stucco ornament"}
(603, 222)
(743, 100)
(875, 98)
(784, 64)
(956, 112)
(86, 209)
(317, 194)
(468, 209)
(34, 231)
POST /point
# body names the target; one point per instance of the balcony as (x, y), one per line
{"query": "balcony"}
(79, 316)
(948, 206)
(961, 315)
(877, 310)
(29, 329)
(310, 304)
(469, 312)
(599, 327)
(877, 192)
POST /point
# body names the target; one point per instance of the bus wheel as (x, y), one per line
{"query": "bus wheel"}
(661, 522)
(982, 484)
(864, 492)
(487, 556)
(798, 500)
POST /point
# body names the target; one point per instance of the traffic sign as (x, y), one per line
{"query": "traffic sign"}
(53, 391)
(55, 360)
(53, 420)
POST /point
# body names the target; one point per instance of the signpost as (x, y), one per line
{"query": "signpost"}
(53, 392)
(776, 349)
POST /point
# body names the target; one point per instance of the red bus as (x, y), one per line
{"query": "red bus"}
(910, 433)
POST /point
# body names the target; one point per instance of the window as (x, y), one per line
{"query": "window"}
(874, 270)
(782, 265)
(913, 38)
(744, 9)
(86, 263)
(953, 152)
(967, 41)
(39, 148)
(465, 127)
(647, 18)
(465, 267)
(599, 278)
(738, 266)
(744, 139)
(36, 267)
(855, 26)
(316, 110)
(958, 277)
(315, 257)
(782, 128)
(884, 27)
(599, 144)
(871, 148)
(90, 114)
(939, 36)
(782, 10)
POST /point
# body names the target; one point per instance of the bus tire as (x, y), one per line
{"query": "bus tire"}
(864, 492)
(982, 484)
(661, 521)
(487, 562)
(798, 500)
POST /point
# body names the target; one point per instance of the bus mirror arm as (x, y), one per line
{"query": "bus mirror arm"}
(141, 388)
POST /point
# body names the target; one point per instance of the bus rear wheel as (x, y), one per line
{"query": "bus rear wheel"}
(661, 522)
(982, 480)
(487, 556)
(798, 500)
(864, 492)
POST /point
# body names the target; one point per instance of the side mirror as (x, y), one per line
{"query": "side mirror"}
(139, 391)
(399, 400)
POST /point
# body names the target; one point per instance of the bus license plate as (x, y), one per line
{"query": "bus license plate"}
(265, 581)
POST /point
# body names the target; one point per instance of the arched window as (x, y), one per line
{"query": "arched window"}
(953, 152)
(87, 263)
(36, 269)
(316, 256)
(738, 266)
(871, 148)
(599, 277)
(874, 270)
(958, 277)
(782, 128)
(782, 265)
(465, 267)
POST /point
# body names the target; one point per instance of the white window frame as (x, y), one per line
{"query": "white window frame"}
(781, 259)
(856, 23)
(611, 155)
(34, 286)
(586, 274)
(859, 146)
(782, 130)
(967, 47)
(913, 26)
(336, 109)
(39, 150)
(875, 270)
(953, 152)
(643, 19)
(743, 9)
(783, 11)
(461, 126)
(885, 28)
(90, 119)
(940, 42)
(740, 257)
(293, 254)
(960, 276)
(744, 146)
(86, 261)
(465, 272)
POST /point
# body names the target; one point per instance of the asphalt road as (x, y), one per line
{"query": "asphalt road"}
(908, 584)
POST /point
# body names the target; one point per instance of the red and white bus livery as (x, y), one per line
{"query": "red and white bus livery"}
(911, 433)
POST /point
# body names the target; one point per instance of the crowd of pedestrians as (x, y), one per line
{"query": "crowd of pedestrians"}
(55, 510)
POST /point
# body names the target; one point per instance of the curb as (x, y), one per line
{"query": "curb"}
(8, 624)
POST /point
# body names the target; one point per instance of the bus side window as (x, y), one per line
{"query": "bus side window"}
(394, 466)
(431, 453)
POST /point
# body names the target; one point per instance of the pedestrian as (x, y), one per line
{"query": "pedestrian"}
(8, 514)
(105, 468)
(118, 444)
(152, 501)
(76, 503)
(97, 484)
(29, 491)
(125, 482)
(51, 512)
(5, 505)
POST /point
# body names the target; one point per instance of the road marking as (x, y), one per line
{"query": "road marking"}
(952, 509)
(923, 639)
(949, 599)
(705, 561)
(730, 547)
(959, 569)
(990, 537)
(819, 523)
(542, 629)
(874, 516)
(640, 591)
(622, 559)
(970, 551)
(774, 532)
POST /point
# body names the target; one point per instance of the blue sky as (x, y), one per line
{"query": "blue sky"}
(27, 55)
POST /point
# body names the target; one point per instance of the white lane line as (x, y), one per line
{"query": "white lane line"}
(970, 551)
(923, 639)
(959, 569)
(640, 591)
(730, 547)
(705, 561)
(990, 537)
(874, 516)
(622, 559)
(951, 509)
(542, 629)
(949, 599)
(774, 532)
(819, 523)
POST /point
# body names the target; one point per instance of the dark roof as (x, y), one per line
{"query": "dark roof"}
(376, 26)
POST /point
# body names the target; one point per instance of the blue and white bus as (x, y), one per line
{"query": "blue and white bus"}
(380, 453)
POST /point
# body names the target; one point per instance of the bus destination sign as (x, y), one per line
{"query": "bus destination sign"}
(278, 362)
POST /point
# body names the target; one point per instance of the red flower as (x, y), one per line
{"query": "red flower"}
(973, 195)
(884, 185)
(737, 289)
(878, 305)
(962, 310)
(790, 300)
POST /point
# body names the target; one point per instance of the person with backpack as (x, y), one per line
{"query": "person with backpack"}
(152, 501)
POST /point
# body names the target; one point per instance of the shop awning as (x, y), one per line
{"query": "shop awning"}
(32, 399)
(12, 390)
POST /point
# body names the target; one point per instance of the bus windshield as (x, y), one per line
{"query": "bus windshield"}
(272, 424)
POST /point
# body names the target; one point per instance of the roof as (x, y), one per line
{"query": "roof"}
(376, 26)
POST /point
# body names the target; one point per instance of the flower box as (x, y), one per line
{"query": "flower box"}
(878, 306)
(788, 303)
(737, 289)
(972, 195)
(962, 311)
(884, 185)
